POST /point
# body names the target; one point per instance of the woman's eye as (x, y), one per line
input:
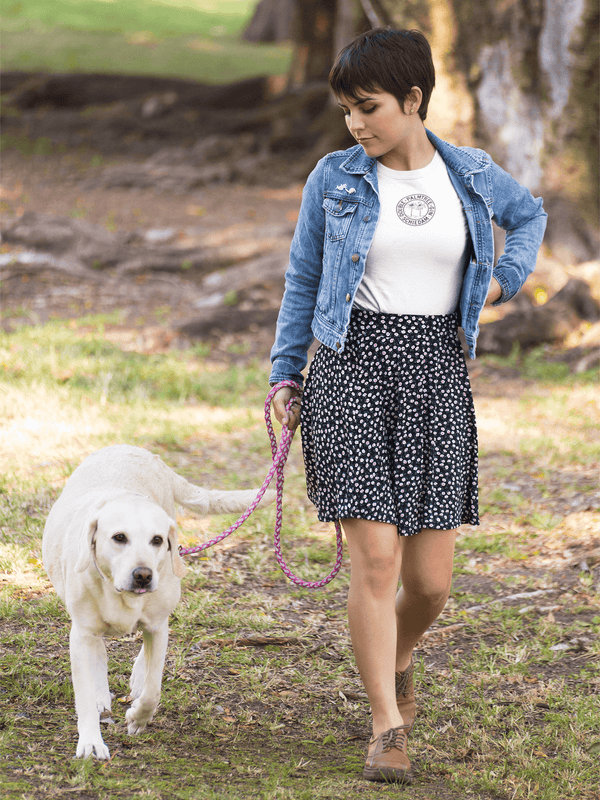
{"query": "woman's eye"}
(369, 110)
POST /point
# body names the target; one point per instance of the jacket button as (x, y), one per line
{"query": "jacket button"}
(355, 257)
(366, 219)
(338, 345)
(348, 298)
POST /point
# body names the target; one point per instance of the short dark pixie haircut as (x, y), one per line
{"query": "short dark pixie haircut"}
(385, 59)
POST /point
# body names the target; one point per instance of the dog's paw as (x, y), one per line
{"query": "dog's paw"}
(103, 704)
(137, 718)
(87, 748)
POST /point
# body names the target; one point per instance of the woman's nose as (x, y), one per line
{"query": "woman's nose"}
(355, 124)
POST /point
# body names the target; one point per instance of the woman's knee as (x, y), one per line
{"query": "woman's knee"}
(431, 591)
(427, 565)
(376, 573)
(375, 555)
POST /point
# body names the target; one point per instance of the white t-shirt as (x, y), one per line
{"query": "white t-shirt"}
(421, 244)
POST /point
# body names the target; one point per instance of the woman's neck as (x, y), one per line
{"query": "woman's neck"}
(415, 152)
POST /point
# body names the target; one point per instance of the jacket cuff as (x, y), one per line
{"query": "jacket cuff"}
(505, 287)
(284, 371)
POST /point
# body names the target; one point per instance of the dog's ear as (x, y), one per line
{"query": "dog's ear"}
(86, 543)
(179, 568)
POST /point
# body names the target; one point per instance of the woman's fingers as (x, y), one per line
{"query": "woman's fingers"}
(290, 419)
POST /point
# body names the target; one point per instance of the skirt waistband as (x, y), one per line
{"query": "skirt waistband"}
(374, 323)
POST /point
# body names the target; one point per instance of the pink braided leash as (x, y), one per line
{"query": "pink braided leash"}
(280, 454)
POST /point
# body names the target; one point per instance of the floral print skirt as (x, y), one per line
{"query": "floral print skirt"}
(388, 425)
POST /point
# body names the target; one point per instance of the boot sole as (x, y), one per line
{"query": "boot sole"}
(387, 775)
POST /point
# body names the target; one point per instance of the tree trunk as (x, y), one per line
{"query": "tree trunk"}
(532, 68)
(314, 37)
(345, 24)
(273, 21)
(376, 13)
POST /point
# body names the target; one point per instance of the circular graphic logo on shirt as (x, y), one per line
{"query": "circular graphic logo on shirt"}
(416, 209)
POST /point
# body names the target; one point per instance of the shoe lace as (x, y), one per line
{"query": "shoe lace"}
(395, 737)
(402, 680)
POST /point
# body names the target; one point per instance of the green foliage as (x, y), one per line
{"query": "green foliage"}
(144, 37)
(55, 356)
(536, 365)
(159, 17)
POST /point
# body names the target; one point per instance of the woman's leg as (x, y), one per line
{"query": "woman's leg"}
(426, 574)
(375, 556)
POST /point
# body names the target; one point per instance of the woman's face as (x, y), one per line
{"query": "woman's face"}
(380, 124)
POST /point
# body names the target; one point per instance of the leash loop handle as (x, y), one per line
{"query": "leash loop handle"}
(280, 453)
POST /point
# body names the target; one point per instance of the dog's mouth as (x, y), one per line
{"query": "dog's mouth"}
(142, 590)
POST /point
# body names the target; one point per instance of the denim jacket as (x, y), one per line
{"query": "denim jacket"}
(337, 221)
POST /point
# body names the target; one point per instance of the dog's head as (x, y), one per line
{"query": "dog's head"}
(131, 541)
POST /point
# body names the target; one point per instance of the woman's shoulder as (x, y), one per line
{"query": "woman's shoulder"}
(342, 164)
(461, 158)
(338, 157)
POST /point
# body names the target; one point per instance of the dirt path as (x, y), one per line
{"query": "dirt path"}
(142, 309)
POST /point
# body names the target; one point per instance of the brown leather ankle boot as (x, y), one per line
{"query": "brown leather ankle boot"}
(405, 695)
(386, 758)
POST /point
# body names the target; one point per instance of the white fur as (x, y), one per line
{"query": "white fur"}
(128, 493)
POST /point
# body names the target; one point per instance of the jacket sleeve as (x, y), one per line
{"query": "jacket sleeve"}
(523, 218)
(294, 324)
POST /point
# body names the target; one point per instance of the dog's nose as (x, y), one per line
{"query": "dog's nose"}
(142, 577)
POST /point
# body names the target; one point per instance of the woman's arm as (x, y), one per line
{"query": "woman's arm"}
(294, 324)
(523, 218)
(494, 293)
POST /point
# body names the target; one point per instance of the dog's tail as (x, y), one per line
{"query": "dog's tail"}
(212, 501)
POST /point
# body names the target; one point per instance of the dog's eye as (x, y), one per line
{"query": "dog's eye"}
(120, 538)
(157, 541)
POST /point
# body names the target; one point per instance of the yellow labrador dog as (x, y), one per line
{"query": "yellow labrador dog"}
(110, 549)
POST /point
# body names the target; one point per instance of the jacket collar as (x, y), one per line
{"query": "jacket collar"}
(358, 162)
(464, 161)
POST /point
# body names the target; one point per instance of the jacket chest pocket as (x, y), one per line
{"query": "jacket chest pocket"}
(338, 216)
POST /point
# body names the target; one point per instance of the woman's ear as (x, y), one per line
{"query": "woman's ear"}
(413, 100)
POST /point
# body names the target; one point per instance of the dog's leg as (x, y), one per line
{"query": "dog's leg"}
(86, 654)
(136, 682)
(103, 695)
(152, 660)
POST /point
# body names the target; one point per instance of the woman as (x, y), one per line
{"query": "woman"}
(392, 251)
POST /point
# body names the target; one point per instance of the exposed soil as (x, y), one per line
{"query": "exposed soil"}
(153, 303)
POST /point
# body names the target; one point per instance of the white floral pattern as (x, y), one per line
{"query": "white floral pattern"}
(388, 425)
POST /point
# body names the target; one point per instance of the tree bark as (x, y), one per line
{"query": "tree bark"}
(547, 324)
(345, 24)
(273, 21)
(532, 68)
(376, 13)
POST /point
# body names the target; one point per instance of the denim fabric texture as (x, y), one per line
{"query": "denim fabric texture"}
(336, 225)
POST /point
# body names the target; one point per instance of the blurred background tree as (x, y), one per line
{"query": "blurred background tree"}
(517, 77)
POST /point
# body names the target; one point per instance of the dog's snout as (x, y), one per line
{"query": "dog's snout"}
(142, 577)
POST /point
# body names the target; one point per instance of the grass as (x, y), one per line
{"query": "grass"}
(197, 39)
(261, 696)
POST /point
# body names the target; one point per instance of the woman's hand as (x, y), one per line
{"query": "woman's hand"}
(290, 419)
(494, 293)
